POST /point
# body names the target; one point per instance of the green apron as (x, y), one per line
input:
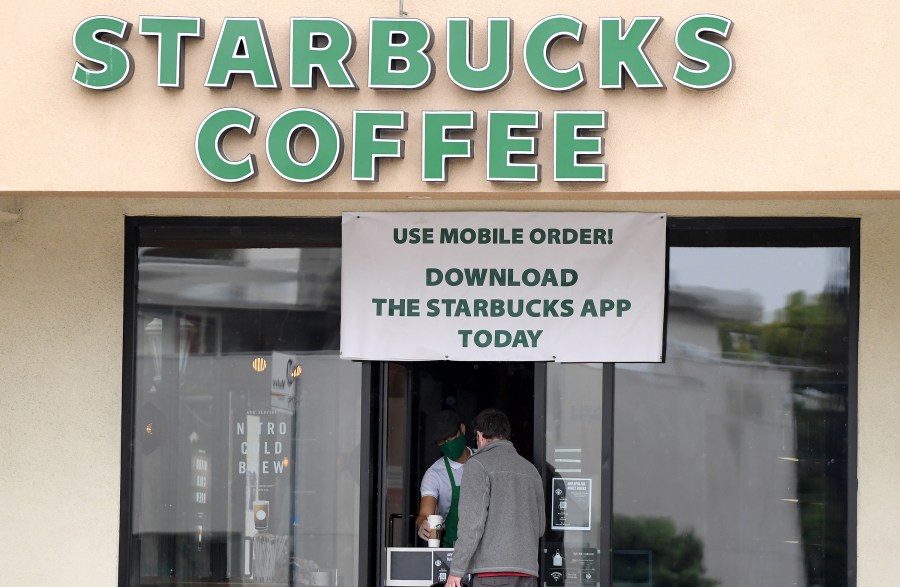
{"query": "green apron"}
(450, 522)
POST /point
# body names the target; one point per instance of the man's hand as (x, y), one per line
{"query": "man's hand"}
(424, 530)
(453, 581)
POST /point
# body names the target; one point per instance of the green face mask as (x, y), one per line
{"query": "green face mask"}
(453, 449)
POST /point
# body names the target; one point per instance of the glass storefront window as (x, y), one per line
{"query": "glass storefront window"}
(731, 457)
(246, 437)
(254, 455)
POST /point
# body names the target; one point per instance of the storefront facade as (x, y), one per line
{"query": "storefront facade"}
(188, 226)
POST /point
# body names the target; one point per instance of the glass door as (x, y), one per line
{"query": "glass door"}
(576, 472)
(412, 395)
(558, 421)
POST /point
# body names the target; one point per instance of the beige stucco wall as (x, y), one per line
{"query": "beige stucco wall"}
(61, 291)
(806, 127)
(807, 110)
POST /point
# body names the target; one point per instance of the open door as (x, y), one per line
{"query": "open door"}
(415, 393)
(558, 423)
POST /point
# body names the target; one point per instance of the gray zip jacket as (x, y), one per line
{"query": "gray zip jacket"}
(501, 513)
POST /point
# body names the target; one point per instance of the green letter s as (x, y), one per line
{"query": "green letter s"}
(116, 64)
(718, 65)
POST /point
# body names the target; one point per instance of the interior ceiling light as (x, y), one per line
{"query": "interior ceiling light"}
(259, 364)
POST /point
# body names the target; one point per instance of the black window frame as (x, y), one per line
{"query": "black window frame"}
(274, 232)
(199, 232)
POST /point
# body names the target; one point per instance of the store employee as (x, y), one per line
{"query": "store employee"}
(440, 484)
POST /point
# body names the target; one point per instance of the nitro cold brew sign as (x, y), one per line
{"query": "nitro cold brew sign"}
(399, 59)
(503, 286)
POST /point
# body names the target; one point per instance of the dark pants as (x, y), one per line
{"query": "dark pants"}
(504, 581)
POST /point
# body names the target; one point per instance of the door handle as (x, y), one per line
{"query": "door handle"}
(391, 518)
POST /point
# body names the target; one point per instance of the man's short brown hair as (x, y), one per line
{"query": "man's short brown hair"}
(493, 424)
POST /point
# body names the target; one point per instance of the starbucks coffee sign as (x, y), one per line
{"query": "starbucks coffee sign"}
(398, 58)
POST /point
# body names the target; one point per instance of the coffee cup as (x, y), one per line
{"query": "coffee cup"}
(261, 515)
(436, 523)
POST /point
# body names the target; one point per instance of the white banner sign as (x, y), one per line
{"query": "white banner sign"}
(503, 286)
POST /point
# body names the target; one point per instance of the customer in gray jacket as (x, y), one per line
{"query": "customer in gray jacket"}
(501, 511)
